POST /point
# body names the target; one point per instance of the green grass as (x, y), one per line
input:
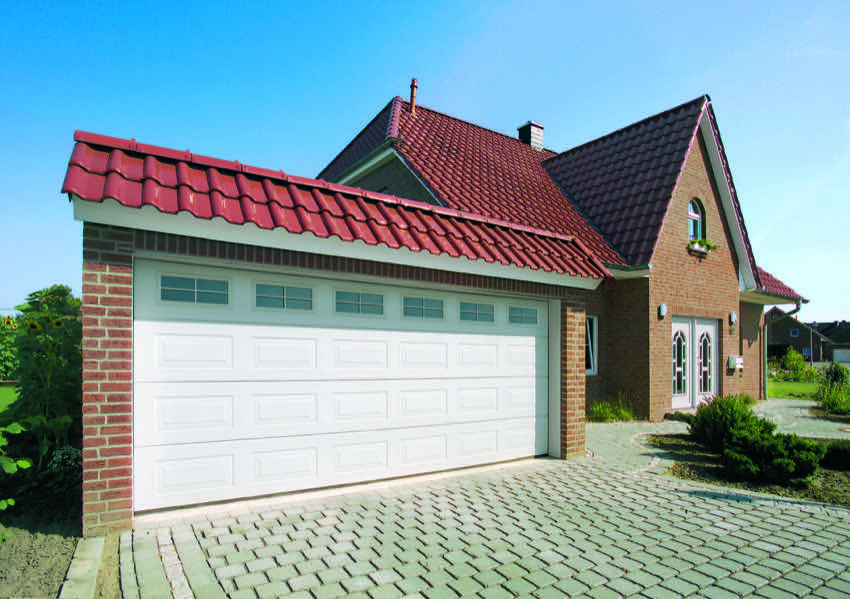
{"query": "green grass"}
(790, 390)
(7, 396)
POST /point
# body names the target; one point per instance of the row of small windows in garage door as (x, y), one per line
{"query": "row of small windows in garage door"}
(214, 291)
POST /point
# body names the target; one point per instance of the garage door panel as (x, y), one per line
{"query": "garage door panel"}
(171, 413)
(175, 352)
(199, 473)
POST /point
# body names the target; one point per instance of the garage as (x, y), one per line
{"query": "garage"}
(841, 355)
(253, 382)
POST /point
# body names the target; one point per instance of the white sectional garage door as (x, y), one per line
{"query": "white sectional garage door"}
(249, 383)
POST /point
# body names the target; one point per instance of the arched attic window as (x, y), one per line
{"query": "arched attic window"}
(696, 220)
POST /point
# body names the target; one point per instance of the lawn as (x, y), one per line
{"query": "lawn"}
(7, 396)
(790, 390)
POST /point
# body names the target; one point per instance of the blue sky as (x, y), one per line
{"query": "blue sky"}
(287, 85)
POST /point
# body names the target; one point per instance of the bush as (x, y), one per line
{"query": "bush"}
(794, 363)
(715, 421)
(783, 459)
(8, 353)
(837, 455)
(833, 391)
(686, 417)
(608, 411)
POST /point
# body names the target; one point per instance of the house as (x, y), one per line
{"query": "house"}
(784, 331)
(250, 332)
(838, 334)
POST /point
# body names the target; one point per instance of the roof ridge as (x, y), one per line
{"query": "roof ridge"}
(704, 98)
(395, 118)
(406, 104)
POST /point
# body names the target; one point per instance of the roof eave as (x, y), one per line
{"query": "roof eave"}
(769, 299)
(148, 218)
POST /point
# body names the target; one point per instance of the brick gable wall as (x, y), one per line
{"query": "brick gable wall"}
(107, 306)
(699, 287)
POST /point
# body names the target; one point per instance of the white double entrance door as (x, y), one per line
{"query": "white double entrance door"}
(694, 350)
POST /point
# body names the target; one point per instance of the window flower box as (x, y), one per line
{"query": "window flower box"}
(700, 247)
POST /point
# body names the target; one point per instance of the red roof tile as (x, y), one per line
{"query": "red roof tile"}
(475, 170)
(773, 286)
(137, 175)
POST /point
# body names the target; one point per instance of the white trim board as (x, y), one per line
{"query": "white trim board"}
(148, 218)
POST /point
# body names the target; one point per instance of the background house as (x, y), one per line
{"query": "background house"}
(838, 333)
(784, 331)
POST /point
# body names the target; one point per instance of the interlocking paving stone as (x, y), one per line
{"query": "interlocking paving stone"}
(545, 528)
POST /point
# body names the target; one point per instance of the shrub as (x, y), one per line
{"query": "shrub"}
(8, 354)
(833, 391)
(608, 411)
(715, 421)
(794, 363)
(760, 456)
(837, 455)
(686, 417)
(48, 343)
(836, 374)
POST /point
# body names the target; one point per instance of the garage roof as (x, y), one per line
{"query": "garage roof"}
(138, 175)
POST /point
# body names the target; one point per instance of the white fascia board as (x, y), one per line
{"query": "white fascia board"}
(383, 156)
(148, 218)
(622, 274)
(747, 277)
(767, 299)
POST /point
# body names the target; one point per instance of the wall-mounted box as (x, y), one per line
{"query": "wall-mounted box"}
(735, 363)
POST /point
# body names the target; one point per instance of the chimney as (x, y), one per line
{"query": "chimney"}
(413, 87)
(532, 134)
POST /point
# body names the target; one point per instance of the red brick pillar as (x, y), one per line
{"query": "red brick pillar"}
(107, 306)
(572, 380)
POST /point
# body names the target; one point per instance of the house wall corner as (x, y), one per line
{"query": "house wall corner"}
(107, 347)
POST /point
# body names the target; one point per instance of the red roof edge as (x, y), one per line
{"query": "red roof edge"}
(132, 145)
(773, 286)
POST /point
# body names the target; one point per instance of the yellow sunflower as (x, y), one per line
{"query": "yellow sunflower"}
(33, 326)
(58, 324)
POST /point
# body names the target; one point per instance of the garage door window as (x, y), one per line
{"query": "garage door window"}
(192, 290)
(359, 303)
(478, 312)
(285, 298)
(522, 315)
(419, 307)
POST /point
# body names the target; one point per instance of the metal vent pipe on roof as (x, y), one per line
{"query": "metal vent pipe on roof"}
(532, 134)
(413, 87)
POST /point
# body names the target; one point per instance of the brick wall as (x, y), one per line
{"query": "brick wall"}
(624, 360)
(107, 307)
(698, 287)
(108, 345)
(572, 379)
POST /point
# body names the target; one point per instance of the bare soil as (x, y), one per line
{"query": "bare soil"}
(693, 462)
(39, 535)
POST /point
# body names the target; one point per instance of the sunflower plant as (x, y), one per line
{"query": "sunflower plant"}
(49, 367)
(8, 354)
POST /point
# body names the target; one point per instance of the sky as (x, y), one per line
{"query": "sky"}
(286, 85)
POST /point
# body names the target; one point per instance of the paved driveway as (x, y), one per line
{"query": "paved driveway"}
(607, 526)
